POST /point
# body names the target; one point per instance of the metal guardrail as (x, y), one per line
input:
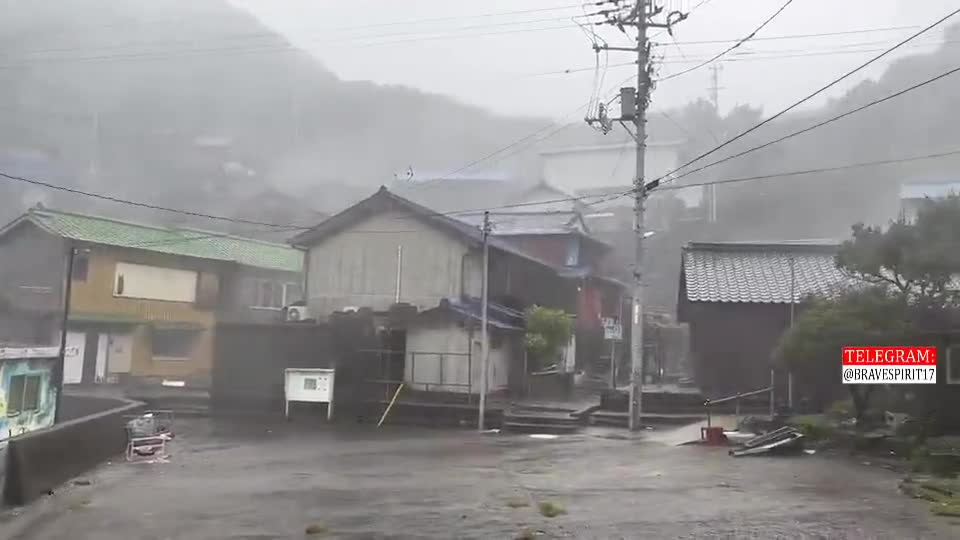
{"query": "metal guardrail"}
(736, 399)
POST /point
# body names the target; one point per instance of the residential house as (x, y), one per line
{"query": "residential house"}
(144, 299)
(612, 167)
(388, 250)
(28, 393)
(740, 297)
(941, 402)
(456, 193)
(914, 192)
(444, 348)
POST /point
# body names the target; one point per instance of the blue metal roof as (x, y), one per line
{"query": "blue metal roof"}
(498, 316)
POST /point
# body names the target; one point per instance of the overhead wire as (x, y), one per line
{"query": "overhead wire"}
(823, 123)
(119, 200)
(807, 98)
(237, 51)
(722, 53)
(250, 36)
(891, 161)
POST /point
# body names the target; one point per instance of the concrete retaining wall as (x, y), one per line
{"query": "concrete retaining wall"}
(39, 461)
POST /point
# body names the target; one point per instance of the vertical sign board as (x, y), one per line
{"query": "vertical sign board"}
(308, 385)
(612, 331)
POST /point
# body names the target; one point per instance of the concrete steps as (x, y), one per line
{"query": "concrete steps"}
(541, 420)
(621, 419)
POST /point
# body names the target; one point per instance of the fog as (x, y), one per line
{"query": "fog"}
(254, 110)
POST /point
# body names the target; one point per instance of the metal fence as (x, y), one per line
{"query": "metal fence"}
(388, 370)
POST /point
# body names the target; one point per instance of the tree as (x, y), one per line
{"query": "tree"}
(917, 258)
(906, 271)
(548, 331)
(811, 349)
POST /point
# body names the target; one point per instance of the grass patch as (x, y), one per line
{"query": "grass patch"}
(943, 495)
(518, 502)
(841, 409)
(947, 509)
(526, 534)
(551, 509)
(315, 529)
(79, 504)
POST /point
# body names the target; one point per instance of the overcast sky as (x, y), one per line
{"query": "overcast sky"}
(497, 54)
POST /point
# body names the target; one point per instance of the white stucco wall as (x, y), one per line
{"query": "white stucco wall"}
(607, 166)
(438, 353)
(358, 266)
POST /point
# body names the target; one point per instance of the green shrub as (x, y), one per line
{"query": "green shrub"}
(842, 409)
(815, 430)
(551, 509)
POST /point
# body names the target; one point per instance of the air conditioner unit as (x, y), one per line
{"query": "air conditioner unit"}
(297, 313)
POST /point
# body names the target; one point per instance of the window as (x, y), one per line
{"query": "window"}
(292, 292)
(81, 264)
(953, 364)
(275, 295)
(309, 383)
(174, 344)
(573, 252)
(24, 394)
(155, 283)
(269, 295)
(208, 290)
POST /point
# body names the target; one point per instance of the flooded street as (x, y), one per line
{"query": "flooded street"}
(273, 481)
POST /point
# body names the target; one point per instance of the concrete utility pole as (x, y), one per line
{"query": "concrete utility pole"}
(484, 338)
(793, 303)
(715, 88)
(633, 107)
(65, 317)
(639, 193)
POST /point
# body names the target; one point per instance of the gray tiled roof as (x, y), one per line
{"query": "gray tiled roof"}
(760, 272)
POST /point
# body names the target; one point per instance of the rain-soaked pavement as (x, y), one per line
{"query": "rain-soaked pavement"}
(272, 481)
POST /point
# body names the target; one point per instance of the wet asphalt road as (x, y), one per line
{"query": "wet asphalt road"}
(264, 482)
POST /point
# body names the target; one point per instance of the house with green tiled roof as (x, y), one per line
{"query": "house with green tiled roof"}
(144, 299)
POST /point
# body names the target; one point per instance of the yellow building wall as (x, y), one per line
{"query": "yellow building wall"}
(94, 297)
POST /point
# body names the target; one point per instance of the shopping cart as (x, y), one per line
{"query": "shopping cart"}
(148, 434)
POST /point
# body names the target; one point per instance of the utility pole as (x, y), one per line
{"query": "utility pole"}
(484, 338)
(793, 302)
(633, 107)
(715, 88)
(65, 316)
(639, 194)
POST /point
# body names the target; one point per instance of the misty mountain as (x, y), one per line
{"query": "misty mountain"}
(826, 204)
(198, 105)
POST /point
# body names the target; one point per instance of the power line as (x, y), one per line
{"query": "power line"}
(276, 226)
(556, 129)
(823, 123)
(145, 205)
(326, 31)
(284, 47)
(805, 36)
(418, 21)
(807, 98)
(812, 171)
(719, 55)
(752, 56)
